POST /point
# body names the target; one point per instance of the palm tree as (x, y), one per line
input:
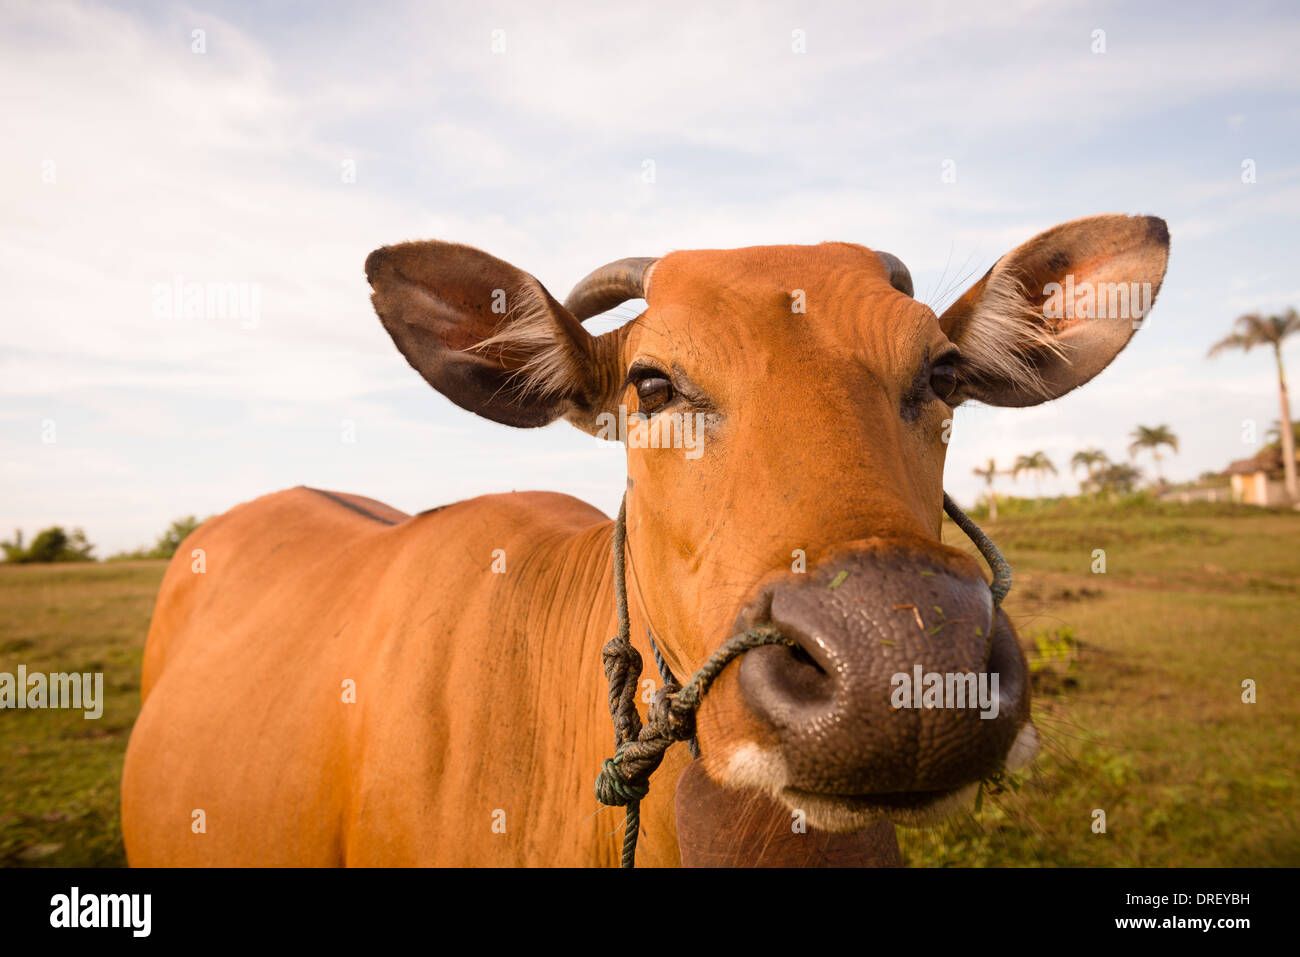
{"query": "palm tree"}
(1038, 463)
(1152, 437)
(1091, 460)
(1118, 478)
(1256, 330)
(988, 474)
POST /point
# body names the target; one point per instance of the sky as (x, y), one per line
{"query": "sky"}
(280, 145)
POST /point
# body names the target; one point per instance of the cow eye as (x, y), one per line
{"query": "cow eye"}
(943, 380)
(654, 392)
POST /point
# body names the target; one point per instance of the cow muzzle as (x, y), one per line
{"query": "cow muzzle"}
(906, 686)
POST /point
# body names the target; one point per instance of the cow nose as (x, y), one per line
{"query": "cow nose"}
(837, 701)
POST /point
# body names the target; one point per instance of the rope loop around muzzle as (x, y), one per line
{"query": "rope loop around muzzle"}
(639, 749)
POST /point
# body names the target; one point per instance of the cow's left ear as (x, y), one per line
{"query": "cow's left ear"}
(1055, 311)
(485, 334)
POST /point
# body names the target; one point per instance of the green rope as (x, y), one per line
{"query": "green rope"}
(625, 778)
(639, 749)
(1000, 567)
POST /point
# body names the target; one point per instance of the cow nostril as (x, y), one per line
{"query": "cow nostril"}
(803, 658)
(784, 683)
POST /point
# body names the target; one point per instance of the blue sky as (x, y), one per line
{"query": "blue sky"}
(225, 166)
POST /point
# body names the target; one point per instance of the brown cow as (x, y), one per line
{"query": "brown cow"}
(347, 684)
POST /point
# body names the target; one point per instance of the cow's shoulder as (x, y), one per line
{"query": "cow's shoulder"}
(258, 549)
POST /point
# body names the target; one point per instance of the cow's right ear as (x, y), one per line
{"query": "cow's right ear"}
(486, 335)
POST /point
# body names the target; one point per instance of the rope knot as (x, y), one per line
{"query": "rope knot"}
(614, 788)
(669, 716)
(622, 669)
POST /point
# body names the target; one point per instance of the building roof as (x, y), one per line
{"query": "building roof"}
(1268, 460)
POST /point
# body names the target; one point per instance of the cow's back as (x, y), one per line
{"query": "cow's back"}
(335, 683)
(250, 554)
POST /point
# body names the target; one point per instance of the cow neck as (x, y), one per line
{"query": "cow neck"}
(665, 671)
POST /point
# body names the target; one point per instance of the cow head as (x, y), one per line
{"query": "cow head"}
(786, 411)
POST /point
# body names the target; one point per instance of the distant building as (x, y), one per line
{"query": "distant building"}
(1258, 479)
(1197, 493)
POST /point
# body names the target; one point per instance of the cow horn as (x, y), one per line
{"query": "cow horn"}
(899, 277)
(608, 286)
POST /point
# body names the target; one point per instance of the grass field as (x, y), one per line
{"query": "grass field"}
(1138, 676)
(59, 773)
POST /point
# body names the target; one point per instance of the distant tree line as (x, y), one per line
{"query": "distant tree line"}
(167, 543)
(1102, 477)
(55, 545)
(51, 545)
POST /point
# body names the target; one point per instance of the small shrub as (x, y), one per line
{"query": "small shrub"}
(1052, 659)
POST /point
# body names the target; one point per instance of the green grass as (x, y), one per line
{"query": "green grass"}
(1144, 718)
(59, 773)
(1137, 695)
